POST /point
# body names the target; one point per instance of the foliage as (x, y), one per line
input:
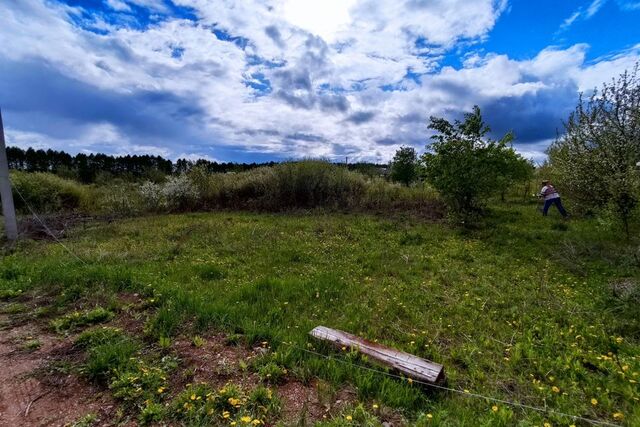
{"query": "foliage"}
(138, 381)
(47, 193)
(404, 166)
(465, 166)
(201, 405)
(357, 416)
(78, 319)
(597, 156)
(272, 373)
(105, 359)
(99, 336)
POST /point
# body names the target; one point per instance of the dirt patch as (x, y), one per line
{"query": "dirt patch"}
(33, 394)
(39, 384)
(214, 362)
(50, 227)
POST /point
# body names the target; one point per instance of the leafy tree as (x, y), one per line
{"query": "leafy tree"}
(596, 156)
(512, 168)
(404, 166)
(466, 166)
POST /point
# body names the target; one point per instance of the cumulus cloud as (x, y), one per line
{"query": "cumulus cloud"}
(263, 80)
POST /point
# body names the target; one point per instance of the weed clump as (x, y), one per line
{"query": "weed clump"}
(105, 359)
(99, 336)
(78, 319)
(200, 405)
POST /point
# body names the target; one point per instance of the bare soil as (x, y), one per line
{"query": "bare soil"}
(34, 394)
(38, 387)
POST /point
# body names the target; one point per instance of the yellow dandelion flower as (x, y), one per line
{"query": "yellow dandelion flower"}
(256, 422)
(160, 389)
(547, 424)
(375, 406)
(232, 423)
(410, 381)
(594, 401)
(494, 408)
(226, 414)
(555, 389)
(193, 397)
(618, 416)
(349, 417)
(245, 419)
(429, 416)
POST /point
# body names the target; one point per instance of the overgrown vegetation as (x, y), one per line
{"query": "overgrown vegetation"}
(287, 186)
(521, 310)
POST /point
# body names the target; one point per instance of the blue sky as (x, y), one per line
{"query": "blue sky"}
(280, 79)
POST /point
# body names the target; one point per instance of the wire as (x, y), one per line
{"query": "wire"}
(462, 392)
(47, 229)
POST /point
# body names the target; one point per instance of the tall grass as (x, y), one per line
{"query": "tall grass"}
(307, 184)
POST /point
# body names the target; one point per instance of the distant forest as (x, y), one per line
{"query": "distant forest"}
(90, 168)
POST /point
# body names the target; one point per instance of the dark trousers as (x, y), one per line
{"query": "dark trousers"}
(557, 202)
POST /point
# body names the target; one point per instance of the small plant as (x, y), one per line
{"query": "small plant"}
(31, 344)
(99, 336)
(234, 339)
(152, 412)
(164, 342)
(14, 308)
(199, 404)
(79, 319)
(86, 421)
(139, 382)
(105, 359)
(272, 373)
(358, 416)
(198, 341)
(10, 293)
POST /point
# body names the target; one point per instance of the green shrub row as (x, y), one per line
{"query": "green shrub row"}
(305, 184)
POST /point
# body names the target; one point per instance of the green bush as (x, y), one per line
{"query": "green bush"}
(48, 193)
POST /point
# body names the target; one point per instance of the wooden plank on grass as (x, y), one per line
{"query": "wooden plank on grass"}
(412, 366)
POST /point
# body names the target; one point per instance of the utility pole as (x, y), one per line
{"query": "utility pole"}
(8, 209)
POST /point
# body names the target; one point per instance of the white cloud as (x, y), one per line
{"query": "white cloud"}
(328, 70)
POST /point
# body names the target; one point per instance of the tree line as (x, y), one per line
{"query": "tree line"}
(91, 168)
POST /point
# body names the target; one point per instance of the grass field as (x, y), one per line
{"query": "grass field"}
(527, 309)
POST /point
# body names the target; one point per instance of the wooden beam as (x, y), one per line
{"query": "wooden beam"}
(407, 364)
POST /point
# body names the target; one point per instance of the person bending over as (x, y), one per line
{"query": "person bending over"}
(551, 197)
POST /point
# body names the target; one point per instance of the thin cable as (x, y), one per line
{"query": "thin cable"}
(462, 392)
(45, 226)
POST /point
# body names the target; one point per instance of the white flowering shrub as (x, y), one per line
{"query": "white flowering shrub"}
(179, 193)
(596, 157)
(152, 196)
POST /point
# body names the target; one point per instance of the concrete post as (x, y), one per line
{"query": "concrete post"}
(8, 209)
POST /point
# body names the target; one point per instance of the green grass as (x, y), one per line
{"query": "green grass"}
(521, 309)
(78, 319)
